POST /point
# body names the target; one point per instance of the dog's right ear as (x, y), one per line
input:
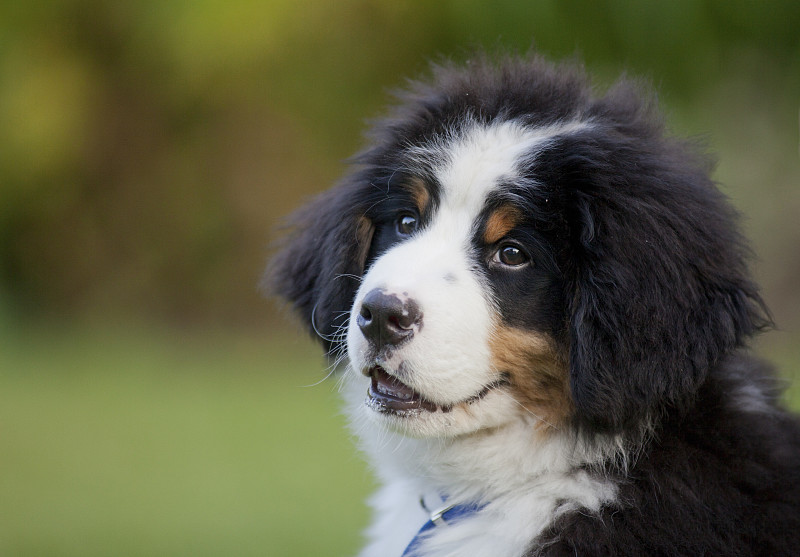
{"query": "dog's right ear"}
(319, 264)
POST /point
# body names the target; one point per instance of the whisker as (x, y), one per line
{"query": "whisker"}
(341, 330)
(349, 275)
(314, 324)
(389, 181)
(379, 188)
(374, 204)
(321, 381)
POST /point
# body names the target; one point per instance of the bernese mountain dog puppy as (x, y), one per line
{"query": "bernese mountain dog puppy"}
(539, 304)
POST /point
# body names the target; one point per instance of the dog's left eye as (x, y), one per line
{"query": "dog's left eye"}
(510, 255)
(406, 224)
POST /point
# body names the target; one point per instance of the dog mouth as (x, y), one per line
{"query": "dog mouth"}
(389, 395)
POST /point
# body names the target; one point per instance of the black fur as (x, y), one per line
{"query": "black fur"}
(653, 304)
(715, 481)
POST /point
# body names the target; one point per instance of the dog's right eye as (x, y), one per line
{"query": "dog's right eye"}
(510, 255)
(406, 224)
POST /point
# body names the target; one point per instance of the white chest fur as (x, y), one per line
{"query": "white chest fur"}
(526, 479)
(506, 527)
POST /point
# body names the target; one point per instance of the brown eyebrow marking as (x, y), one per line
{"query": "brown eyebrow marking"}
(500, 222)
(419, 194)
(363, 239)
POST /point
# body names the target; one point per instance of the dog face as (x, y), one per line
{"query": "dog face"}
(512, 247)
(454, 320)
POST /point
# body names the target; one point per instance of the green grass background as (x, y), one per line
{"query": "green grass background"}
(134, 444)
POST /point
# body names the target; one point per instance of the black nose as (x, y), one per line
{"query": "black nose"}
(385, 319)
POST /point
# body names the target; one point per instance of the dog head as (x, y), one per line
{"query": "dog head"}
(511, 245)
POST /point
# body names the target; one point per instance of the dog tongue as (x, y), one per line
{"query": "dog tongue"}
(392, 394)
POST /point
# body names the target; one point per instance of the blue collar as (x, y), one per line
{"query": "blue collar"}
(441, 517)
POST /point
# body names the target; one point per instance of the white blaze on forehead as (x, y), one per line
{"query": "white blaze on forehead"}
(472, 162)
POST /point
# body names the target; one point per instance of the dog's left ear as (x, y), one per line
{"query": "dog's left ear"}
(319, 265)
(659, 287)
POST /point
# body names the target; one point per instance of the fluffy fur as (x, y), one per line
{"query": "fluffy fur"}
(546, 301)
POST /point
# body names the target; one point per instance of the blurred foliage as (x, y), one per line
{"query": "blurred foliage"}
(148, 149)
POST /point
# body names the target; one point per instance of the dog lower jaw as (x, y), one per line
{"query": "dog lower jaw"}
(388, 395)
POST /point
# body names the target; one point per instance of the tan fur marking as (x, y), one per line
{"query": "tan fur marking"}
(419, 193)
(538, 375)
(500, 223)
(364, 230)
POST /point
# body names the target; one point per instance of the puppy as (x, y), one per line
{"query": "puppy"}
(540, 304)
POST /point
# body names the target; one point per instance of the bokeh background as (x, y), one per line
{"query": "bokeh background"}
(152, 402)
